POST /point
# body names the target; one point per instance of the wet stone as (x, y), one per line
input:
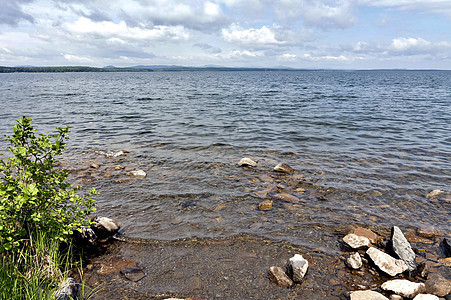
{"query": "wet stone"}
(373, 237)
(278, 276)
(104, 227)
(386, 263)
(428, 231)
(283, 168)
(435, 193)
(438, 285)
(94, 166)
(298, 267)
(402, 248)
(356, 242)
(133, 273)
(287, 197)
(404, 287)
(367, 295)
(354, 261)
(265, 205)
(247, 162)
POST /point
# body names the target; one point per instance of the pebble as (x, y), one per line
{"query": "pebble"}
(279, 277)
(137, 174)
(265, 205)
(435, 193)
(287, 197)
(298, 267)
(402, 248)
(95, 166)
(283, 168)
(404, 287)
(354, 261)
(367, 295)
(247, 162)
(386, 263)
(355, 241)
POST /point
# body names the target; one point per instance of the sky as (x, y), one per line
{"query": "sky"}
(336, 34)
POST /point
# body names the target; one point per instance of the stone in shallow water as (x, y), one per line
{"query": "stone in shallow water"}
(354, 261)
(278, 276)
(247, 162)
(385, 262)
(137, 174)
(428, 231)
(373, 237)
(287, 197)
(283, 168)
(367, 295)
(265, 205)
(438, 285)
(104, 227)
(298, 267)
(404, 287)
(435, 193)
(402, 248)
(355, 241)
(133, 273)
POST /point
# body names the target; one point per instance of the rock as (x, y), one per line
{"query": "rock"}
(133, 273)
(354, 261)
(422, 269)
(137, 174)
(265, 205)
(447, 246)
(435, 193)
(95, 166)
(367, 295)
(402, 248)
(428, 231)
(119, 167)
(355, 241)
(425, 297)
(395, 297)
(104, 227)
(298, 267)
(68, 290)
(85, 237)
(438, 285)
(373, 237)
(278, 276)
(283, 168)
(386, 263)
(404, 287)
(287, 197)
(247, 162)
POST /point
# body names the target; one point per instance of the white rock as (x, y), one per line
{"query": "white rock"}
(395, 297)
(299, 266)
(402, 248)
(137, 173)
(356, 241)
(404, 287)
(426, 297)
(435, 193)
(367, 295)
(283, 168)
(354, 261)
(277, 275)
(385, 262)
(247, 162)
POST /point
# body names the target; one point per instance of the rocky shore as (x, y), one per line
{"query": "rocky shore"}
(367, 263)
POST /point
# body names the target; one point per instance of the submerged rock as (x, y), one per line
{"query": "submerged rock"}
(404, 287)
(354, 261)
(287, 197)
(373, 237)
(104, 227)
(283, 168)
(133, 273)
(355, 241)
(428, 231)
(265, 205)
(298, 267)
(438, 285)
(277, 275)
(367, 295)
(402, 248)
(247, 162)
(137, 174)
(435, 193)
(386, 263)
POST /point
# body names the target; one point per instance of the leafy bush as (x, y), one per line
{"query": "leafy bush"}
(35, 196)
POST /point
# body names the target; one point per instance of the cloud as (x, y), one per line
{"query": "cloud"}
(77, 59)
(11, 12)
(208, 48)
(424, 6)
(254, 38)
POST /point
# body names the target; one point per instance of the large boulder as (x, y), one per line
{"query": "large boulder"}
(401, 247)
(386, 263)
(404, 287)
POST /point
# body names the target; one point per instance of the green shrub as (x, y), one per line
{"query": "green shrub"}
(35, 196)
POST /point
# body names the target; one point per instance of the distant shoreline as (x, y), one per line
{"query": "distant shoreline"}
(66, 69)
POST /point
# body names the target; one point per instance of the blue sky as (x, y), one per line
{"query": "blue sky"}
(355, 34)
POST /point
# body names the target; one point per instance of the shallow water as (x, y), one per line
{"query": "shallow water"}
(367, 147)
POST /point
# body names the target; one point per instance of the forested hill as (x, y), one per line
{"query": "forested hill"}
(66, 69)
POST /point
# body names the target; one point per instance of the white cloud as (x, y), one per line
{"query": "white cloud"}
(264, 36)
(341, 58)
(423, 6)
(406, 44)
(78, 59)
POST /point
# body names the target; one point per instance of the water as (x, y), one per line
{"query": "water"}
(367, 148)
